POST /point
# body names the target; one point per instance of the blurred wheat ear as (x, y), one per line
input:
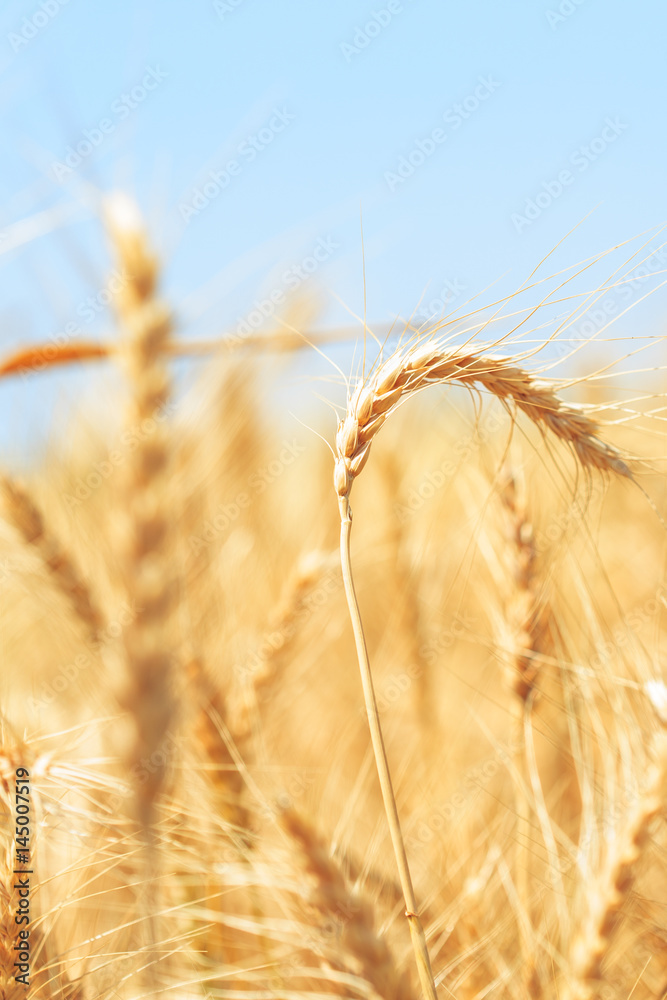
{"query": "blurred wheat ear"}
(22, 512)
(145, 565)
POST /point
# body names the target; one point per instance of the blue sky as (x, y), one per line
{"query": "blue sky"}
(441, 123)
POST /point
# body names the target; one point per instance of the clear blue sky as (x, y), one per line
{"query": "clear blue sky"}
(316, 106)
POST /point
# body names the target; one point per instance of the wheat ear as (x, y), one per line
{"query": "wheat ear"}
(145, 567)
(418, 365)
(529, 624)
(22, 512)
(333, 899)
(409, 369)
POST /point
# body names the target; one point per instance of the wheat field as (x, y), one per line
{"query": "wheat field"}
(181, 693)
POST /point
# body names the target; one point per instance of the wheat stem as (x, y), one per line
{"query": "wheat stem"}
(416, 929)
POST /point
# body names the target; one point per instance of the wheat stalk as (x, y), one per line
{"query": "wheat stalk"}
(32, 360)
(409, 369)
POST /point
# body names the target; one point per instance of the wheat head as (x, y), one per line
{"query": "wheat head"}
(417, 365)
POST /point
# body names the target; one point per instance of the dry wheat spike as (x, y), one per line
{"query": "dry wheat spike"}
(419, 364)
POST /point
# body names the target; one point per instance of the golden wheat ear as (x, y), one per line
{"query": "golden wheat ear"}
(418, 365)
(283, 629)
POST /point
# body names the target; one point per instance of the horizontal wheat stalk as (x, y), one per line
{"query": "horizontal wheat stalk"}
(42, 357)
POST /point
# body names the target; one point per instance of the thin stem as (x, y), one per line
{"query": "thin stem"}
(415, 924)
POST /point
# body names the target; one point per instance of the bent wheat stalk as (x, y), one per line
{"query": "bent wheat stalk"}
(410, 368)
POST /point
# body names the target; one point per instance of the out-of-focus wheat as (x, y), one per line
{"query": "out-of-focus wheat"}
(20, 509)
(145, 564)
